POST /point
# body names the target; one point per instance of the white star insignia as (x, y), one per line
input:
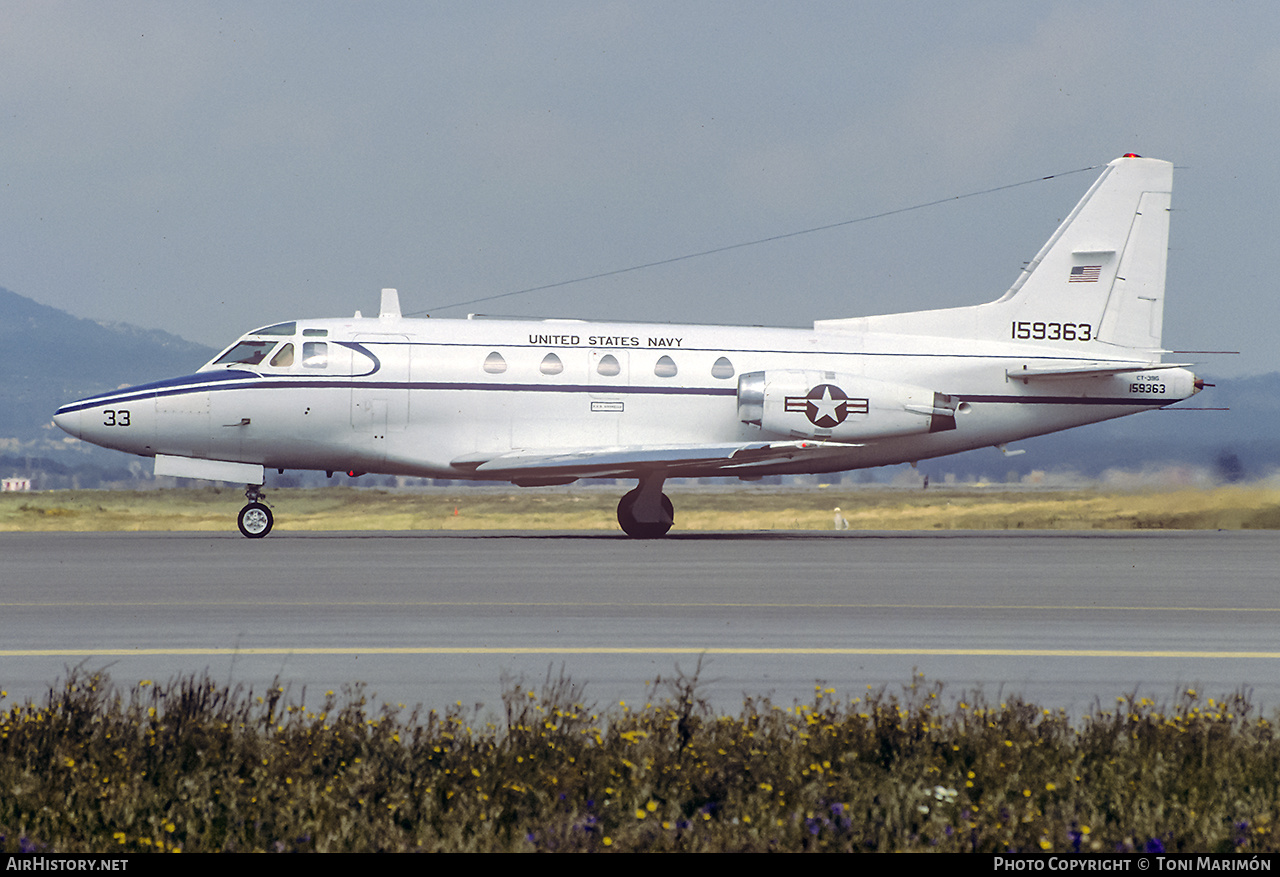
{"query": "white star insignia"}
(826, 406)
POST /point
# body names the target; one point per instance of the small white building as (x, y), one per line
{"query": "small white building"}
(16, 483)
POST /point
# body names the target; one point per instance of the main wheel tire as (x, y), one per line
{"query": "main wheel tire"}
(643, 529)
(255, 520)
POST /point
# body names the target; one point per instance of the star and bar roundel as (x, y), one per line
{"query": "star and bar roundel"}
(826, 405)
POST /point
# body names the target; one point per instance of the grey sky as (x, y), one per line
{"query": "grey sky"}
(209, 167)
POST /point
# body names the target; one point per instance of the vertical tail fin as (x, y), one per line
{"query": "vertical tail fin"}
(1098, 281)
(1105, 265)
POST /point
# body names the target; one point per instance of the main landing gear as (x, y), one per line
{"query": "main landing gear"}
(643, 513)
(255, 519)
(646, 512)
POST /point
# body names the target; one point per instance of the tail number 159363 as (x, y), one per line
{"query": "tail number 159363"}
(1025, 330)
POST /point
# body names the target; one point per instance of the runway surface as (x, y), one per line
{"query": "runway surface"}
(1063, 619)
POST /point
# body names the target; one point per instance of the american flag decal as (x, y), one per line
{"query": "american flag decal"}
(1085, 274)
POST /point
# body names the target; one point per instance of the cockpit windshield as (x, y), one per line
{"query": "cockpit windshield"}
(284, 354)
(246, 353)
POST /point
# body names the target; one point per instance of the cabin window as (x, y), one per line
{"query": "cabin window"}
(551, 365)
(246, 353)
(315, 333)
(315, 354)
(608, 365)
(722, 368)
(494, 364)
(278, 329)
(665, 367)
(284, 356)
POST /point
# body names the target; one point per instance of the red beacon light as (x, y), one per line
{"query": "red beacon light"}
(1131, 155)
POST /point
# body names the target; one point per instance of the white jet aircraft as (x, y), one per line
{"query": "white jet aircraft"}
(1075, 340)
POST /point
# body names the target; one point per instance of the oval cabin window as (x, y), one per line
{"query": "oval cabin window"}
(551, 365)
(494, 364)
(665, 367)
(608, 366)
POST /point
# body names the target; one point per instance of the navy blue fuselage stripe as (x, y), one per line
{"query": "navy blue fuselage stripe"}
(195, 384)
(182, 383)
(361, 349)
(132, 394)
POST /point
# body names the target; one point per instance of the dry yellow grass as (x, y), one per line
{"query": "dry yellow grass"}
(1230, 508)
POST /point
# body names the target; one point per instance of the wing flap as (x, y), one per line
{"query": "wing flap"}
(623, 460)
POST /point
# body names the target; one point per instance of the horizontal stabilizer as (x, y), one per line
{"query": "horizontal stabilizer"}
(1089, 369)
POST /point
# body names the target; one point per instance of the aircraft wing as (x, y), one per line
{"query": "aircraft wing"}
(1088, 369)
(623, 460)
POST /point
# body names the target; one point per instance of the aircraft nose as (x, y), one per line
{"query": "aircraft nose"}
(68, 421)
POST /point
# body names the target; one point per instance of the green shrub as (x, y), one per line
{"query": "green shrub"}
(192, 765)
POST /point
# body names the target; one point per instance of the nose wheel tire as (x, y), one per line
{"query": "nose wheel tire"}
(255, 520)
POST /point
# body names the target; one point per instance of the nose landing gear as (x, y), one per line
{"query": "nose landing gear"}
(255, 518)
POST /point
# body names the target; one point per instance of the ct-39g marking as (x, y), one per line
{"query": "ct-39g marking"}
(1075, 340)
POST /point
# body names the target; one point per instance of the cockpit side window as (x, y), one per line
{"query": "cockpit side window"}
(284, 356)
(315, 354)
(246, 353)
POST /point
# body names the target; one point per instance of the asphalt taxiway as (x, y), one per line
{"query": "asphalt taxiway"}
(1065, 619)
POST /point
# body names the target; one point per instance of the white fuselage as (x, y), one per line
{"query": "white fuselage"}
(431, 397)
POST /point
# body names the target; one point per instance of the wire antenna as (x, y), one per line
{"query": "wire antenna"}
(738, 246)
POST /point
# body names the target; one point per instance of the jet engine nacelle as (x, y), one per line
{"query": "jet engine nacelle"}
(838, 407)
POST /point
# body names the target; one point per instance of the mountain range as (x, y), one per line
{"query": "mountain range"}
(49, 357)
